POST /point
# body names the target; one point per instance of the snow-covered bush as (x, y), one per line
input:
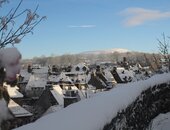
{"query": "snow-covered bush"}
(11, 33)
(4, 111)
(10, 61)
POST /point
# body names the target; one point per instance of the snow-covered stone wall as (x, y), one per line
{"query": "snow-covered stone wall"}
(147, 106)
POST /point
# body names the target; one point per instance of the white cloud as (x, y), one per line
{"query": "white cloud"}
(82, 26)
(138, 16)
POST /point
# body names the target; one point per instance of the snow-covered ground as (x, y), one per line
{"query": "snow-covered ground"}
(96, 112)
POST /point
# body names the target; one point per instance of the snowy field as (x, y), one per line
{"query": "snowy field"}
(96, 112)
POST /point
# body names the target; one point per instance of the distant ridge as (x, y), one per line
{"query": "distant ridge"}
(119, 50)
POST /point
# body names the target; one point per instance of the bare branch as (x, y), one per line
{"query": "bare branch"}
(15, 34)
(11, 16)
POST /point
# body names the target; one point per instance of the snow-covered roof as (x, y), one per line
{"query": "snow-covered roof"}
(74, 73)
(80, 65)
(13, 92)
(81, 79)
(43, 70)
(62, 77)
(52, 78)
(17, 110)
(136, 67)
(25, 74)
(124, 73)
(88, 77)
(94, 113)
(57, 92)
(36, 66)
(35, 81)
(108, 75)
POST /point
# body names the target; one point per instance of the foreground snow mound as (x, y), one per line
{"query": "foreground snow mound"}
(96, 112)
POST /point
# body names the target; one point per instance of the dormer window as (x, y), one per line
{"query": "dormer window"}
(77, 68)
(84, 68)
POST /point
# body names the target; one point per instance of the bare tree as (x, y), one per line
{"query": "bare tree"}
(14, 25)
(12, 33)
(163, 46)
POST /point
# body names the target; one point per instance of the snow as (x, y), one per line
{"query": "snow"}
(161, 122)
(36, 66)
(74, 73)
(77, 75)
(13, 92)
(35, 81)
(118, 50)
(136, 67)
(89, 92)
(52, 78)
(94, 113)
(41, 73)
(63, 77)
(10, 61)
(25, 74)
(17, 110)
(4, 112)
(108, 74)
(58, 94)
(42, 70)
(53, 109)
(80, 93)
(9, 55)
(81, 78)
(125, 73)
(80, 65)
(88, 77)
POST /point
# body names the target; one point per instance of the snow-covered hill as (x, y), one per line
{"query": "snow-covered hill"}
(96, 112)
(119, 50)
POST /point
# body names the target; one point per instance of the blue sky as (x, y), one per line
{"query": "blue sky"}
(73, 26)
